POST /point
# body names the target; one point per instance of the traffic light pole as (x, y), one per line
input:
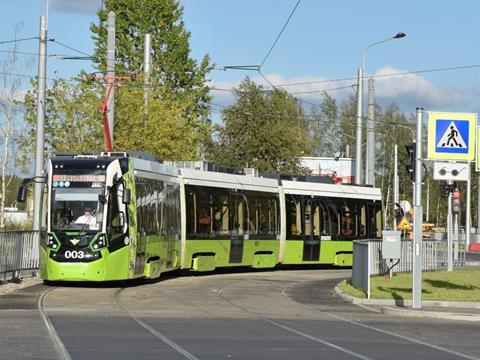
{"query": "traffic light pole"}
(418, 219)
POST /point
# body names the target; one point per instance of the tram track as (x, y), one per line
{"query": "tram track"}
(283, 290)
(150, 329)
(60, 348)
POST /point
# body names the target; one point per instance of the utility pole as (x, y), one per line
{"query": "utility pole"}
(418, 219)
(40, 130)
(395, 184)
(358, 132)
(110, 78)
(370, 158)
(147, 53)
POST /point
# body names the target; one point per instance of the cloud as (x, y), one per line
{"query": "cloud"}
(412, 90)
(76, 6)
(408, 91)
(306, 88)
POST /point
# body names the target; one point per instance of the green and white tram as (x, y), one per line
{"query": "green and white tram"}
(116, 216)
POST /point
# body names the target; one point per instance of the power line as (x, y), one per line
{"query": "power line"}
(69, 47)
(280, 34)
(461, 67)
(18, 40)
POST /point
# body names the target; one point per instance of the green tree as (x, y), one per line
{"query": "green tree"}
(324, 128)
(163, 127)
(73, 117)
(178, 97)
(265, 130)
(171, 63)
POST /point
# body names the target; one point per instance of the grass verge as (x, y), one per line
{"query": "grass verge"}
(457, 285)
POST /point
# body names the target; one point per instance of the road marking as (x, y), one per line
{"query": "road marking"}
(401, 336)
(59, 346)
(284, 292)
(158, 334)
(310, 337)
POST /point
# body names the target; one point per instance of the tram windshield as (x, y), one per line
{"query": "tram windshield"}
(76, 208)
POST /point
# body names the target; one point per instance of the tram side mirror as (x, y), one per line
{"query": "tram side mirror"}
(126, 196)
(102, 199)
(22, 193)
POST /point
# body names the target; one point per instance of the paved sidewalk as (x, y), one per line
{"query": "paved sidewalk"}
(447, 310)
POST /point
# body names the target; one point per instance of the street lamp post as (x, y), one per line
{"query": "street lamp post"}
(370, 155)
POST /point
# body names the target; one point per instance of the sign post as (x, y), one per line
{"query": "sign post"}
(452, 137)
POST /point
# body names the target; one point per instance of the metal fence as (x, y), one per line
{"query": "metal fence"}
(368, 260)
(18, 252)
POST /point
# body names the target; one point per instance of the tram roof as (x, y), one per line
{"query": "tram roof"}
(153, 167)
(331, 190)
(231, 181)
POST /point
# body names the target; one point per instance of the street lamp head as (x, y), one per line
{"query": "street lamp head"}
(399, 35)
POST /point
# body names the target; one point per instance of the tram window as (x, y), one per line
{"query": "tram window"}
(306, 210)
(238, 209)
(113, 217)
(220, 213)
(316, 219)
(294, 217)
(325, 228)
(348, 220)
(362, 220)
(375, 219)
(334, 217)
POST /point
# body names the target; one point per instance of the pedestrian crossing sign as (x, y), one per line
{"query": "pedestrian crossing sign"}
(451, 136)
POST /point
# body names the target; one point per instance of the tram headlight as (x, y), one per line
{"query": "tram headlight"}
(99, 242)
(52, 242)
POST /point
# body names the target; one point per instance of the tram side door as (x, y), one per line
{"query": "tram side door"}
(311, 239)
(238, 220)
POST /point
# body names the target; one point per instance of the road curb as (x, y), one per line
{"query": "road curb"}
(398, 307)
(430, 314)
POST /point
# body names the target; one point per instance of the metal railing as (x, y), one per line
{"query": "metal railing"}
(368, 260)
(18, 252)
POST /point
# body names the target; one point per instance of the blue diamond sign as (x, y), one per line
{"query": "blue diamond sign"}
(451, 136)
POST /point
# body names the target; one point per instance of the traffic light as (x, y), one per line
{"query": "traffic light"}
(446, 188)
(456, 200)
(411, 152)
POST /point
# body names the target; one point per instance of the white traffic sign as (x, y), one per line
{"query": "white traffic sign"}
(451, 136)
(451, 171)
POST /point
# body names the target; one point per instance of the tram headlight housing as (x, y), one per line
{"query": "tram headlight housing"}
(52, 242)
(99, 242)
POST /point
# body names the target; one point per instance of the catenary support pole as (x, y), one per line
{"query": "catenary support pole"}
(358, 132)
(395, 184)
(370, 157)
(418, 219)
(40, 129)
(147, 53)
(111, 72)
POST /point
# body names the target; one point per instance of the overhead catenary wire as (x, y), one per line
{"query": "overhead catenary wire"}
(279, 35)
(18, 40)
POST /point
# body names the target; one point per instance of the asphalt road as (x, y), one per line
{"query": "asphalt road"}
(256, 315)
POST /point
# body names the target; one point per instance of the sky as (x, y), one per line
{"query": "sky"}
(325, 40)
